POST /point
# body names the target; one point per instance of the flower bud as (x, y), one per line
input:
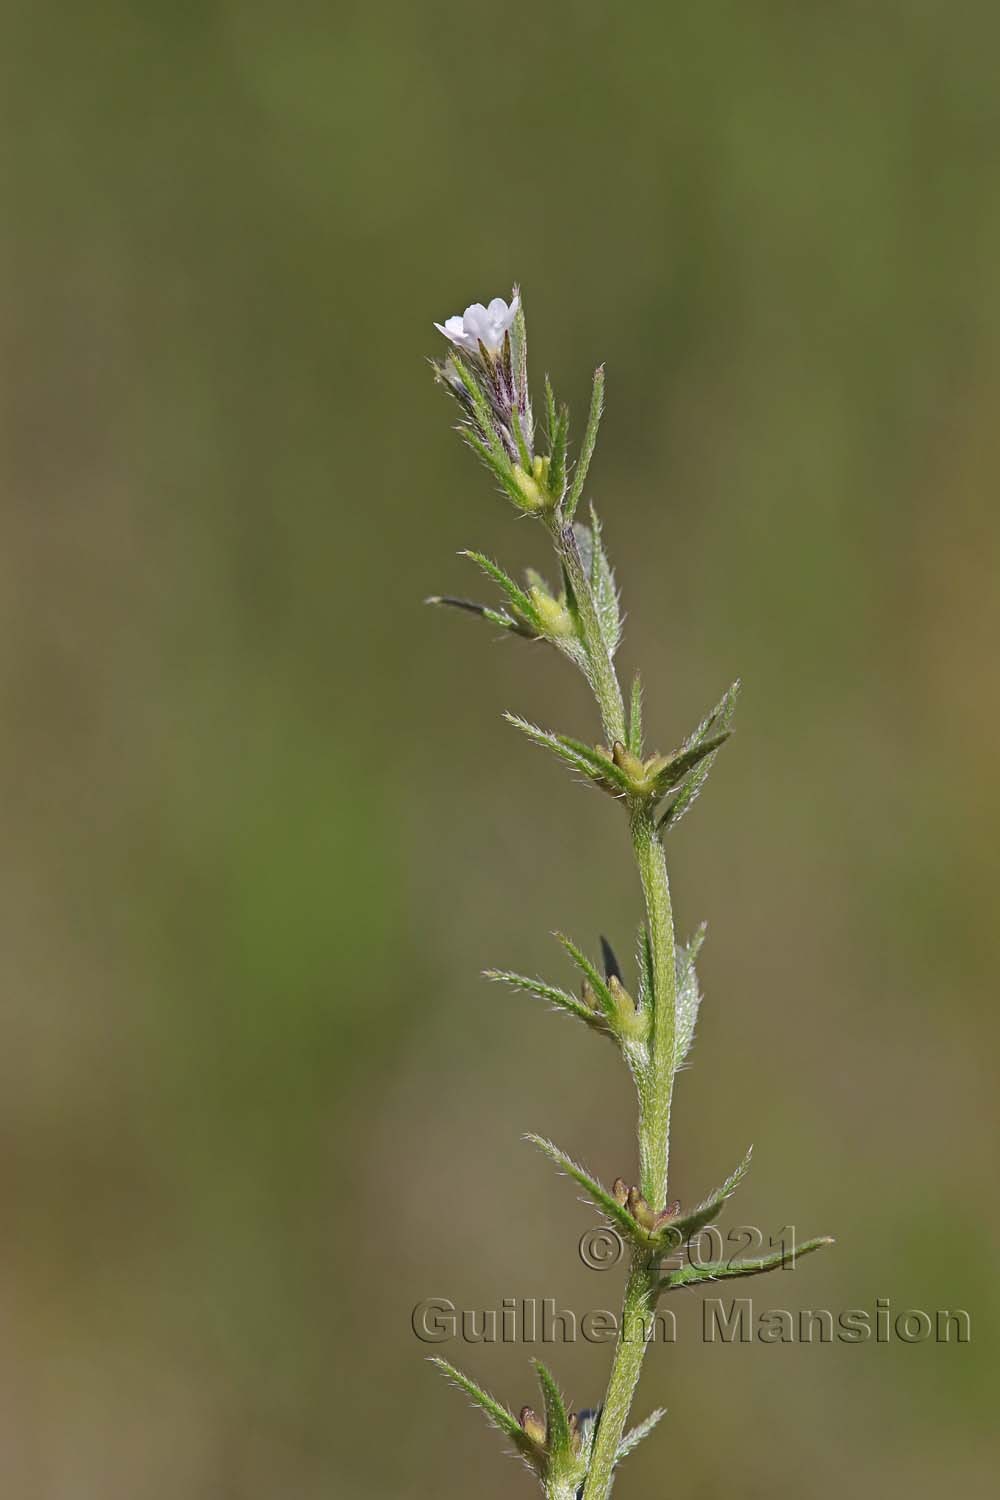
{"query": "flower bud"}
(631, 1021)
(629, 763)
(555, 617)
(533, 1425)
(533, 497)
(640, 1209)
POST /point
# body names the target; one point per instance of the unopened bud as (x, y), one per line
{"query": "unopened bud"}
(531, 490)
(533, 1425)
(630, 1021)
(555, 617)
(640, 1209)
(623, 999)
(627, 762)
(619, 1190)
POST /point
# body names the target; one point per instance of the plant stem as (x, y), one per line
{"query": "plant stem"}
(657, 1089)
(641, 1290)
(640, 1301)
(561, 1489)
(656, 1086)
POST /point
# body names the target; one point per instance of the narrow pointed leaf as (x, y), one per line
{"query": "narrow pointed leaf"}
(686, 760)
(596, 1192)
(500, 468)
(495, 616)
(558, 1439)
(603, 765)
(502, 1419)
(718, 1271)
(520, 602)
(688, 994)
(681, 1230)
(550, 411)
(522, 437)
(557, 455)
(550, 992)
(552, 742)
(604, 996)
(632, 1439)
(719, 719)
(589, 443)
(600, 579)
(574, 753)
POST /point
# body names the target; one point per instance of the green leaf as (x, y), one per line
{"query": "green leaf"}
(720, 719)
(688, 994)
(550, 411)
(558, 1438)
(557, 455)
(718, 1270)
(499, 467)
(603, 766)
(605, 999)
(495, 617)
(498, 1416)
(632, 1439)
(601, 580)
(681, 1230)
(683, 761)
(589, 443)
(524, 455)
(635, 717)
(598, 1194)
(519, 601)
(550, 992)
(583, 758)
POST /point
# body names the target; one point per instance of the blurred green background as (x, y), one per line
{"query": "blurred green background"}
(263, 825)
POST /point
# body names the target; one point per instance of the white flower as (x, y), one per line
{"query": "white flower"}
(481, 325)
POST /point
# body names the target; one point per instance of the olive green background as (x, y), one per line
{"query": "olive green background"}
(263, 824)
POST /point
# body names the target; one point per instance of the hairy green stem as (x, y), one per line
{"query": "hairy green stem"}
(640, 1303)
(561, 1489)
(657, 1090)
(655, 1093)
(656, 1087)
